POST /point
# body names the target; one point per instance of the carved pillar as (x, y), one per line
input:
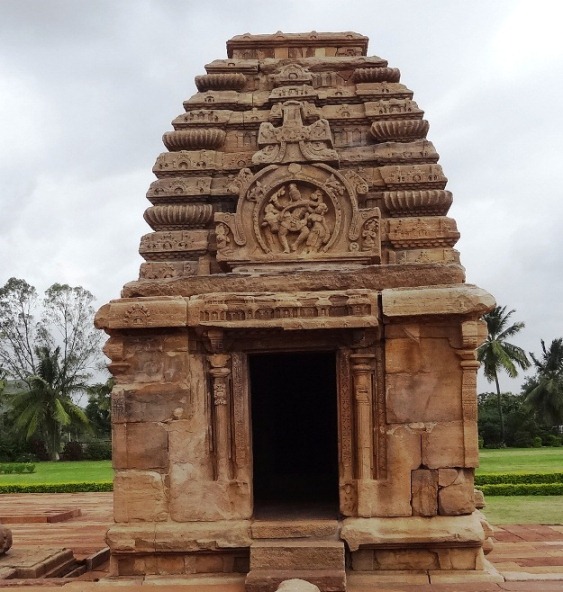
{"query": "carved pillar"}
(363, 396)
(346, 417)
(241, 417)
(219, 373)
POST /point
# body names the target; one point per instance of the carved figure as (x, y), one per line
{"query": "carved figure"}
(275, 198)
(222, 235)
(369, 235)
(316, 197)
(255, 193)
(272, 217)
(294, 193)
(293, 219)
(320, 232)
(289, 213)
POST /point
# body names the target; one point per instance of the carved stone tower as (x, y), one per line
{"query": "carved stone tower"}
(295, 367)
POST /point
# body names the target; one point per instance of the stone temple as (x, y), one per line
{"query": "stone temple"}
(295, 366)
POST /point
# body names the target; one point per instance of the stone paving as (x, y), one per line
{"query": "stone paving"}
(528, 556)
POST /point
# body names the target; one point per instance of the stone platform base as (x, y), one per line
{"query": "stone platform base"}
(324, 552)
(376, 580)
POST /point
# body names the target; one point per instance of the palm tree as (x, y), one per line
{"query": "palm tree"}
(497, 354)
(544, 392)
(46, 406)
(98, 409)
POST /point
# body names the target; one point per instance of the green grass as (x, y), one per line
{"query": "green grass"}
(521, 460)
(522, 509)
(499, 510)
(64, 472)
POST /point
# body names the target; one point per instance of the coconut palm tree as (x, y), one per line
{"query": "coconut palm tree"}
(98, 409)
(46, 406)
(544, 392)
(497, 354)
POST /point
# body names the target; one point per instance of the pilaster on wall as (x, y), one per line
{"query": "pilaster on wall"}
(473, 334)
(362, 373)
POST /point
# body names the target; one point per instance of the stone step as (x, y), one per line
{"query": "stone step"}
(296, 554)
(62, 569)
(42, 564)
(77, 570)
(6, 573)
(268, 580)
(96, 559)
(295, 529)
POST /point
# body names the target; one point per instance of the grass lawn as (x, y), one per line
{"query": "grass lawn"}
(522, 509)
(499, 510)
(539, 509)
(64, 472)
(521, 460)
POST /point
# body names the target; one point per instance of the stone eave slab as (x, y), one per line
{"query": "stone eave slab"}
(143, 313)
(464, 299)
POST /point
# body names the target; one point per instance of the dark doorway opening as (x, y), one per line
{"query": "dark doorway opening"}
(294, 432)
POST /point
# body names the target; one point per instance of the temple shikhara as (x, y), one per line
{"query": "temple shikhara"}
(295, 366)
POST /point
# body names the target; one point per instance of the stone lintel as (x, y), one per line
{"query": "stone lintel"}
(286, 40)
(290, 311)
(463, 299)
(462, 531)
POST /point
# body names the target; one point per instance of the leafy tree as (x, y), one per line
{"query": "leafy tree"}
(544, 392)
(18, 329)
(497, 354)
(521, 425)
(64, 320)
(49, 349)
(47, 406)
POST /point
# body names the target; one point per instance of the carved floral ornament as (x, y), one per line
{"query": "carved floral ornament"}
(297, 212)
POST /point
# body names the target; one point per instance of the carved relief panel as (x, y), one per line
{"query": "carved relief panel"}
(296, 213)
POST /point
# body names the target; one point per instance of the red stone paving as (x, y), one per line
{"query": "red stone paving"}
(52, 515)
(540, 561)
(529, 556)
(531, 532)
(84, 534)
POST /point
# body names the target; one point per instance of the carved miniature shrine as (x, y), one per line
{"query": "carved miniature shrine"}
(295, 367)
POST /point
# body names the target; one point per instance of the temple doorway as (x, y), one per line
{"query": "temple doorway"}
(294, 433)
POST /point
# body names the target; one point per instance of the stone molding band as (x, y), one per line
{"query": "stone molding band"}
(292, 311)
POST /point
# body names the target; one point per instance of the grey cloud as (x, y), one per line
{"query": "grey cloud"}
(88, 88)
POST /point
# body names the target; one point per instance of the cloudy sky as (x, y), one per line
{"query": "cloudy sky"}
(87, 87)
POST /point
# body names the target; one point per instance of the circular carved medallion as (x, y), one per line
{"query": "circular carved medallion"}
(297, 211)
